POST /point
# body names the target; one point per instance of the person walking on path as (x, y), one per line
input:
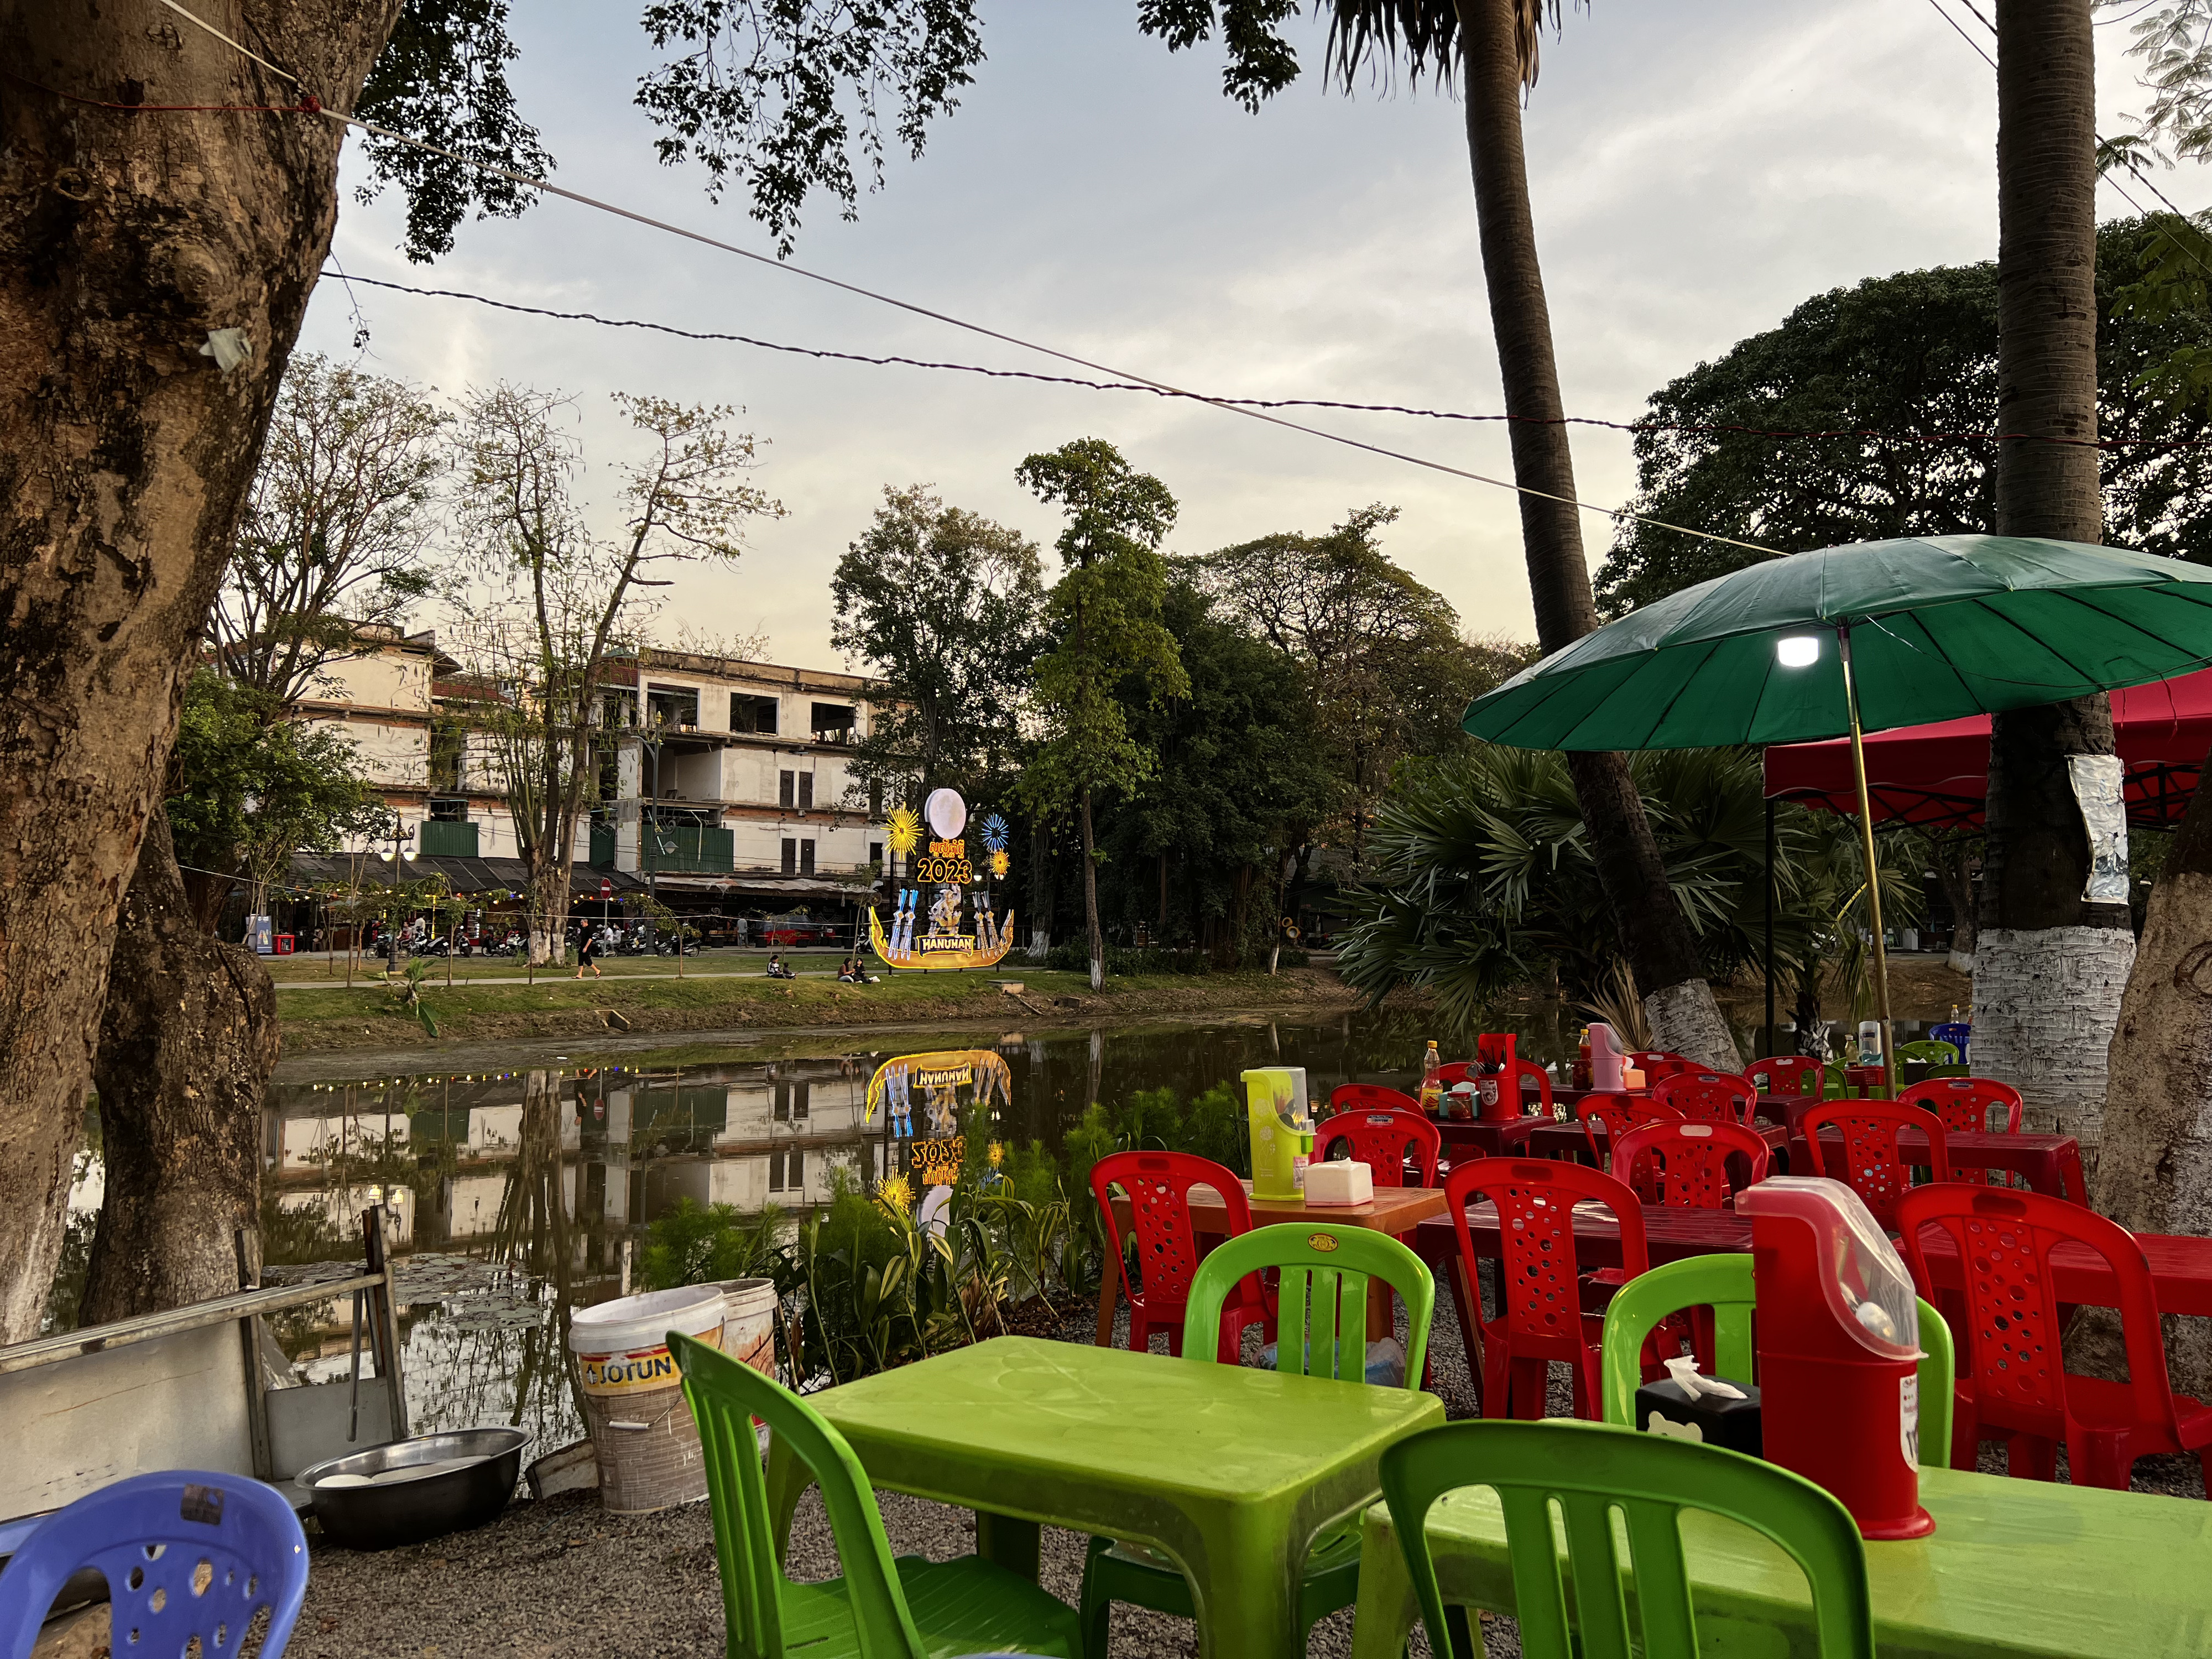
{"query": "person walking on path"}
(588, 953)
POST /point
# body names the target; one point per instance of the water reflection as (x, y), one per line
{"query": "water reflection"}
(520, 1195)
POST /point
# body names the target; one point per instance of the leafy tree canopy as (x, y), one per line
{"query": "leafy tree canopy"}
(1381, 655)
(1240, 781)
(1104, 618)
(1911, 357)
(946, 608)
(247, 789)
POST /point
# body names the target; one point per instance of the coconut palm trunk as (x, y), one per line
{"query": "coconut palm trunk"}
(2049, 967)
(1499, 39)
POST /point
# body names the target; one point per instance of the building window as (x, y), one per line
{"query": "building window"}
(834, 722)
(806, 858)
(776, 1172)
(799, 1093)
(617, 709)
(782, 1103)
(806, 791)
(875, 852)
(794, 1169)
(791, 856)
(671, 705)
(752, 713)
(786, 785)
(449, 811)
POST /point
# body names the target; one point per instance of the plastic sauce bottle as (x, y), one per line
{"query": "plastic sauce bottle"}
(1870, 1043)
(1431, 1096)
(1582, 1072)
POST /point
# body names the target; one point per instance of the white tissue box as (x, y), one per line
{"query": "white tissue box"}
(1345, 1182)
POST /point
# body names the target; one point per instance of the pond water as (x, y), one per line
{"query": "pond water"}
(522, 1181)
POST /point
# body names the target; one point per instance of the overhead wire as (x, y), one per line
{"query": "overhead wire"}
(1691, 427)
(1615, 513)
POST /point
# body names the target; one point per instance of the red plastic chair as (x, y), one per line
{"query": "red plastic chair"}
(1617, 1114)
(1542, 1319)
(1371, 1097)
(1686, 1162)
(1708, 1096)
(1158, 1185)
(1383, 1142)
(1964, 1102)
(1655, 1063)
(1872, 1166)
(1967, 1103)
(2014, 1378)
(1788, 1074)
(1455, 1071)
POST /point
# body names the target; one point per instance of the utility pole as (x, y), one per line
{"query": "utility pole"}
(401, 834)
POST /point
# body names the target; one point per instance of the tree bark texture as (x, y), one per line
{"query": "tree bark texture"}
(124, 239)
(2049, 968)
(1097, 939)
(187, 1045)
(2154, 1172)
(1654, 935)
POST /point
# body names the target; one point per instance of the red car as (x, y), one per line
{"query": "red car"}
(782, 931)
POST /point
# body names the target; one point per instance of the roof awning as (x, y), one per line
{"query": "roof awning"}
(1937, 776)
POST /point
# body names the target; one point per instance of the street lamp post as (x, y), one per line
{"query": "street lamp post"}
(401, 834)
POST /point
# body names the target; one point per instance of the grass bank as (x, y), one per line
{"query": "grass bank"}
(317, 1019)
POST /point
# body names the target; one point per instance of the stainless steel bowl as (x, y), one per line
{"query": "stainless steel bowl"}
(466, 1479)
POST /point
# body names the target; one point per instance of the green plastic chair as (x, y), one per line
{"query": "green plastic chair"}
(1724, 1283)
(881, 1609)
(1593, 1472)
(1935, 1053)
(1320, 1331)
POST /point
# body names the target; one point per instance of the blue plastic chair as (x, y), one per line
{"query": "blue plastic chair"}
(185, 1553)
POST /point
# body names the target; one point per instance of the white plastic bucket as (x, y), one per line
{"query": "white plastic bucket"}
(749, 1310)
(641, 1429)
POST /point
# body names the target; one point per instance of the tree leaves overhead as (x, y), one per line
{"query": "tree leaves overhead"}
(1911, 357)
(442, 78)
(1382, 37)
(790, 96)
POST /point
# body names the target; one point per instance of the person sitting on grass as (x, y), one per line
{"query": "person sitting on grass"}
(777, 969)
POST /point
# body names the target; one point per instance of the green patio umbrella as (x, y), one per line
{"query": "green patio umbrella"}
(1848, 639)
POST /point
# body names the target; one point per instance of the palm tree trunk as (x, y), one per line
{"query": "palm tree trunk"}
(2049, 968)
(1655, 936)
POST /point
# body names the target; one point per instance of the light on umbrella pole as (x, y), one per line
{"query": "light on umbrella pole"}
(1802, 650)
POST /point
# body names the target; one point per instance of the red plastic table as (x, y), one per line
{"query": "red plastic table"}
(2051, 1164)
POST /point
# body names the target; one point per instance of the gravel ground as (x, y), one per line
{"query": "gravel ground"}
(563, 1577)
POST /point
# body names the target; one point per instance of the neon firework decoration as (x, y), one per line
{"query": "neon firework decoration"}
(933, 929)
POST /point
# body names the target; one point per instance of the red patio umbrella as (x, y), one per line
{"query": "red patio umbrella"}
(1937, 776)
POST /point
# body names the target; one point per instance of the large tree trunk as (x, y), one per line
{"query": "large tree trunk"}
(1091, 932)
(1955, 856)
(124, 239)
(1655, 936)
(2049, 968)
(187, 1045)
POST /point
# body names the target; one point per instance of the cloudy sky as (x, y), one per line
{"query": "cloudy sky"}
(1698, 168)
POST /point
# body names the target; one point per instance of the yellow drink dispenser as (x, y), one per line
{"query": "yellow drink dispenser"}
(1282, 1133)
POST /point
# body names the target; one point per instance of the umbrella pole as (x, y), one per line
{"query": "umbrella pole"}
(1770, 925)
(1873, 884)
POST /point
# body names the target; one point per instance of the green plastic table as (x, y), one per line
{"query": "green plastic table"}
(1233, 1472)
(2013, 1568)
